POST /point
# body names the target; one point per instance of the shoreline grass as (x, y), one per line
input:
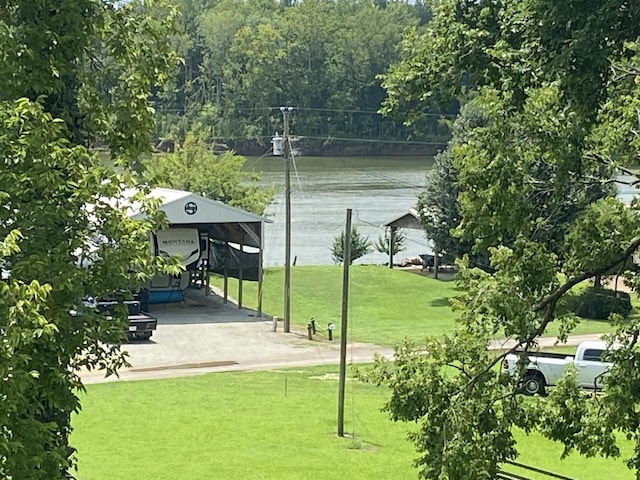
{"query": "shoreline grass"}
(386, 306)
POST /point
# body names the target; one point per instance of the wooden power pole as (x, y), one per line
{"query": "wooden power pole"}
(346, 250)
(287, 209)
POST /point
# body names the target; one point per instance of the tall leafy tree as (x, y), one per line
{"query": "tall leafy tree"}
(438, 206)
(320, 56)
(73, 73)
(194, 167)
(556, 84)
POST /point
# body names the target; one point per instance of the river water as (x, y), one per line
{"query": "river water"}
(377, 189)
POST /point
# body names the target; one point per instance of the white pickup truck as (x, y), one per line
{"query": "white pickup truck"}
(545, 369)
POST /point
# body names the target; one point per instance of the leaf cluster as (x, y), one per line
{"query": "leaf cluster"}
(194, 167)
(532, 185)
(73, 74)
(360, 246)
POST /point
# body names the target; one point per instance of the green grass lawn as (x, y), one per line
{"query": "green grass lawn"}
(263, 425)
(539, 452)
(282, 424)
(386, 305)
(251, 425)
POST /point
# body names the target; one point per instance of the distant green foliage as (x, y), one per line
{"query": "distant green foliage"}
(360, 246)
(399, 240)
(242, 58)
(195, 168)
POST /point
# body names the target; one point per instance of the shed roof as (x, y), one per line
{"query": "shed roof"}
(223, 222)
(409, 219)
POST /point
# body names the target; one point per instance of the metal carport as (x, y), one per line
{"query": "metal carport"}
(217, 221)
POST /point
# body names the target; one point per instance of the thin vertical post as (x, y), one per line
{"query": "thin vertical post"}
(240, 272)
(287, 208)
(226, 272)
(392, 239)
(436, 261)
(207, 268)
(343, 327)
(260, 268)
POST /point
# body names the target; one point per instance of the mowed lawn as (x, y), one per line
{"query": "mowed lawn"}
(250, 425)
(282, 424)
(263, 425)
(386, 305)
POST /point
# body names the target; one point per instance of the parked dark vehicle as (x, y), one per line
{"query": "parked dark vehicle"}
(141, 324)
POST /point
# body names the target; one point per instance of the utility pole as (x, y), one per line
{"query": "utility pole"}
(346, 250)
(287, 209)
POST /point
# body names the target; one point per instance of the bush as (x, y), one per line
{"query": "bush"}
(382, 244)
(600, 303)
(360, 246)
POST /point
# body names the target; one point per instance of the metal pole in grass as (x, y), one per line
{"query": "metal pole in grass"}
(346, 262)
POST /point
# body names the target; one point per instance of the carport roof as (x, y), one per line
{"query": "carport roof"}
(406, 220)
(221, 221)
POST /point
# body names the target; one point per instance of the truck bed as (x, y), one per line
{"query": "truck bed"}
(558, 355)
(141, 326)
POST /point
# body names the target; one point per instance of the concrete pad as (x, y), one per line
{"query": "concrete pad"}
(203, 334)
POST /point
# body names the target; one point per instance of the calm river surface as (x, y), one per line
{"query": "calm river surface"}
(322, 188)
(377, 189)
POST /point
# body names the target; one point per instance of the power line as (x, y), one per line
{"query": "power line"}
(313, 109)
(372, 140)
(331, 138)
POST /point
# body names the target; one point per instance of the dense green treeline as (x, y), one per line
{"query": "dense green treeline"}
(244, 59)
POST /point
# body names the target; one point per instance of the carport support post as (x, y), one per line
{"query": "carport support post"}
(260, 270)
(392, 238)
(226, 273)
(207, 281)
(206, 278)
(240, 271)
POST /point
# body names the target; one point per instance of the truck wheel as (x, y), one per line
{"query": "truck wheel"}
(533, 383)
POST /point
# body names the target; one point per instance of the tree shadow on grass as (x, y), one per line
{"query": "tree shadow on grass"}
(440, 302)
